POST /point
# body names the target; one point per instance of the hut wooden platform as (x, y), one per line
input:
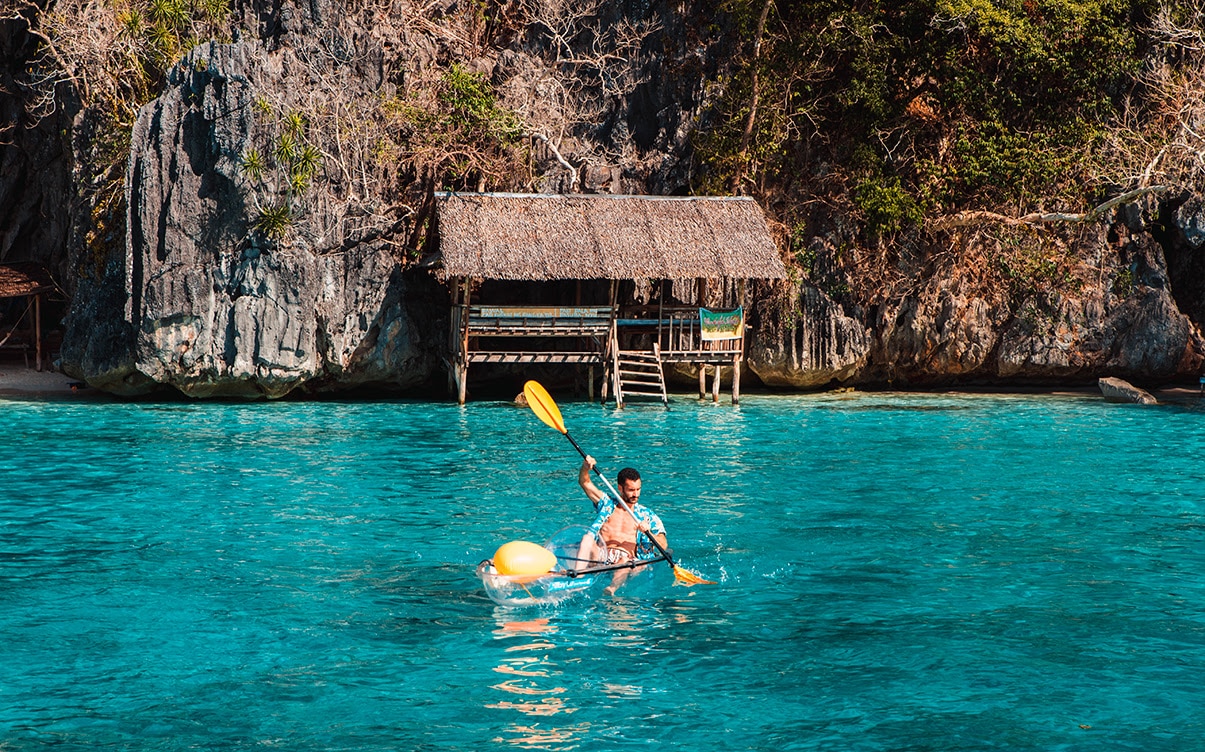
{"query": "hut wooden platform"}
(597, 241)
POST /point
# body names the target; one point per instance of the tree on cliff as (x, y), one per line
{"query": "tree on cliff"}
(879, 123)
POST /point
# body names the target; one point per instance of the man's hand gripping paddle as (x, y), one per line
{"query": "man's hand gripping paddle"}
(542, 405)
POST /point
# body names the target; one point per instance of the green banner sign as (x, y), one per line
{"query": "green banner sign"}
(717, 325)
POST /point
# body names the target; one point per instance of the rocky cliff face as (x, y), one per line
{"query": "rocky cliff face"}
(36, 159)
(1119, 314)
(213, 306)
(248, 274)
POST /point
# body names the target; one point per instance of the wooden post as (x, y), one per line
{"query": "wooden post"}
(612, 369)
(618, 391)
(590, 383)
(577, 301)
(715, 385)
(661, 315)
(703, 381)
(462, 369)
(739, 358)
(37, 324)
(736, 380)
(462, 382)
(453, 360)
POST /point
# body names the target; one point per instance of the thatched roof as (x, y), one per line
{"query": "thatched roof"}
(546, 237)
(19, 280)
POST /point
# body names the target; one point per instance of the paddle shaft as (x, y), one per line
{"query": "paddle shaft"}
(656, 544)
(572, 573)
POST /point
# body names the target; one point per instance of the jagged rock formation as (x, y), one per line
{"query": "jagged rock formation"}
(212, 307)
(36, 160)
(213, 300)
(210, 299)
(1116, 315)
(806, 341)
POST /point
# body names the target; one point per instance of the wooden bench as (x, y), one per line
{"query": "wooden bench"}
(539, 322)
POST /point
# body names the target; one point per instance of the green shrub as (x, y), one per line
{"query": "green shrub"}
(253, 165)
(887, 207)
(959, 103)
(274, 220)
(472, 107)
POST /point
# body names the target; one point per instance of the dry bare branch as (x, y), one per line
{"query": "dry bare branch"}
(972, 218)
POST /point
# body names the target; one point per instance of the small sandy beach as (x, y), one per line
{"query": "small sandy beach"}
(17, 380)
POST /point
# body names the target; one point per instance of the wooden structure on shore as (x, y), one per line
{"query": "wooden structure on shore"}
(499, 252)
(33, 283)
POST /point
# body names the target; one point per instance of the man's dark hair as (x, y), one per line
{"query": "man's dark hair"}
(628, 473)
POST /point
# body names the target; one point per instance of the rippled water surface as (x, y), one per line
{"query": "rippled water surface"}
(897, 572)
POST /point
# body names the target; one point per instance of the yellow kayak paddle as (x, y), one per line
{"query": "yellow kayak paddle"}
(545, 408)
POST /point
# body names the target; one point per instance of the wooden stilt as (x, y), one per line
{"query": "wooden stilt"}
(613, 349)
(462, 339)
(618, 391)
(702, 382)
(37, 324)
(590, 383)
(715, 385)
(736, 380)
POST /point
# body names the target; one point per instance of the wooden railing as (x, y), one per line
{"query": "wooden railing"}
(676, 329)
(592, 325)
(539, 321)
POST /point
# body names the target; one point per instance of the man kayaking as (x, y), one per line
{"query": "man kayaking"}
(626, 535)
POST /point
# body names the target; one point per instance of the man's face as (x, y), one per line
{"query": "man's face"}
(630, 491)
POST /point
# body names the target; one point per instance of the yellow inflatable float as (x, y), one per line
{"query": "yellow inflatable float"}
(522, 573)
(523, 558)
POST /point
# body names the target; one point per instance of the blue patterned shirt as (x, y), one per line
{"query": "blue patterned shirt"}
(644, 547)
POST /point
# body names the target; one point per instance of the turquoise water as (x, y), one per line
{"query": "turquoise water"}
(897, 572)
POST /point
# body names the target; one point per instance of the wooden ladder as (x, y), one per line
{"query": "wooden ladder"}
(639, 374)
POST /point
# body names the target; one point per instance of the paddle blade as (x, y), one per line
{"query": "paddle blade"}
(542, 405)
(687, 577)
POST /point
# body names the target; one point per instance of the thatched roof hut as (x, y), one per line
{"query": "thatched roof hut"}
(536, 237)
(22, 279)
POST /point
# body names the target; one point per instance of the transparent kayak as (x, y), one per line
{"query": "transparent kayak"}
(525, 590)
(564, 581)
(571, 576)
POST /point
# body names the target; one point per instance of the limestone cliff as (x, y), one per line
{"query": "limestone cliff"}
(215, 307)
(966, 318)
(274, 201)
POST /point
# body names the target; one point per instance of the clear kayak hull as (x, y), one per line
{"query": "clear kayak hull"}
(562, 583)
(517, 590)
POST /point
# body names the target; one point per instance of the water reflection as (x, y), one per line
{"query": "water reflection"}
(532, 687)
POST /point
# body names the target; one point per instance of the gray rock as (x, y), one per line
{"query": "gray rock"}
(1190, 219)
(962, 323)
(38, 206)
(1119, 390)
(948, 330)
(215, 308)
(806, 341)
